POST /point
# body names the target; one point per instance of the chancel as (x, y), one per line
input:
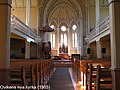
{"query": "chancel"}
(60, 44)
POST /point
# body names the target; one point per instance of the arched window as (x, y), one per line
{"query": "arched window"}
(63, 28)
(52, 37)
(63, 36)
(63, 39)
(74, 36)
(74, 27)
(52, 26)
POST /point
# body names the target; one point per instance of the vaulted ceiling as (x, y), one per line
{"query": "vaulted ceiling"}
(57, 10)
(62, 10)
(35, 3)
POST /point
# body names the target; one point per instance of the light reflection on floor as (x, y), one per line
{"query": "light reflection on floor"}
(78, 85)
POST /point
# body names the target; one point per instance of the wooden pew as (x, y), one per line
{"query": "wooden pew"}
(40, 70)
(91, 74)
(104, 79)
(76, 69)
(88, 67)
(17, 76)
(93, 77)
(45, 70)
(29, 75)
(28, 69)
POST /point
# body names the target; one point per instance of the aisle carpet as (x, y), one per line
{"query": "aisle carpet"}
(61, 80)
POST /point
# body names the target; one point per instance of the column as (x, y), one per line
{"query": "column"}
(39, 16)
(57, 40)
(97, 15)
(46, 37)
(69, 41)
(114, 7)
(98, 46)
(88, 17)
(78, 40)
(27, 50)
(5, 17)
(38, 50)
(28, 12)
(81, 36)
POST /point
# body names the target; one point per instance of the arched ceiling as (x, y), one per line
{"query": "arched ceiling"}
(58, 10)
(62, 10)
(63, 13)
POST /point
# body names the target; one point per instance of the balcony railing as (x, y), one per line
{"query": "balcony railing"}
(18, 25)
(92, 33)
(103, 26)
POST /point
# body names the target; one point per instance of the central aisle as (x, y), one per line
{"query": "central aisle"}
(61, 79)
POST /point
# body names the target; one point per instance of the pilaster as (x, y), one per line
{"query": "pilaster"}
(97, 15)
(5, 17)
(28, 12)
(69, 41)
(27, 50)
(98, 46)
(57, 40)
(114, 7)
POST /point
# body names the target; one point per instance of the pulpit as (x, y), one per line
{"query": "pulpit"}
(46, 48)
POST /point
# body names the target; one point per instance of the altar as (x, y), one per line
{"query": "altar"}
(64, 55)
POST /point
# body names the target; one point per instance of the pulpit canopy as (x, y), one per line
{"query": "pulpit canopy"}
(46, 28)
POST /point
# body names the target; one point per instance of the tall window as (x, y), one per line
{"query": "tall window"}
(63, 39)
(74, 40)
(52, 38)
(63, 36)
(74, 36)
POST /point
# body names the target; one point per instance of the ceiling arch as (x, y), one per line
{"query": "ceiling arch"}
(72, 5)
(62, 10)
(53, 23)
(73, 22)
(63, 23)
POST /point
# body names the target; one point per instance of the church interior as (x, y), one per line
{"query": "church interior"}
(60, 44)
